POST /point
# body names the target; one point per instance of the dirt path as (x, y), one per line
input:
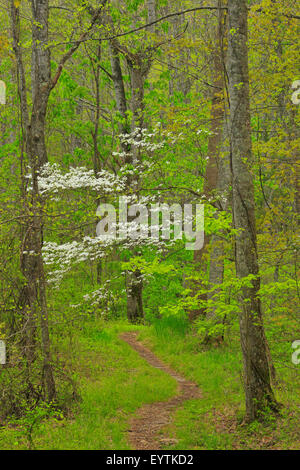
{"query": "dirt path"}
(150, 419)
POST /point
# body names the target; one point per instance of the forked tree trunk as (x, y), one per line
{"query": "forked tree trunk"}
(34, 302)
(119, 88)
(33, 133)
(258, 391)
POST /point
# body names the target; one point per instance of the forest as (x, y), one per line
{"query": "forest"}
(149, 225)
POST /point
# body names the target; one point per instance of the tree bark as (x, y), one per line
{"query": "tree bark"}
(34, 302)
(151, 7)
(216, 266)
(258, 391)
(119, 88)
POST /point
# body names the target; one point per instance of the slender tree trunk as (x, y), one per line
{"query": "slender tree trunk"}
(180, 79)
(216, 266)
(118, 82)
(212, 172)
(134, 281)
(151, 7)
(134, 284)
(258, 391)
(95, 133)
(138, 65)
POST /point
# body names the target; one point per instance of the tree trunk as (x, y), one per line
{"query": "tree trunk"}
(134, 281)
(118, 82)
(258, 391)
(34, 301)
(134, 289)
(151, 7)
(216, 266)
(138, 68)
(212, 172)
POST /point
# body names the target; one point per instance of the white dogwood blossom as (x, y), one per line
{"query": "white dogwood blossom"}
(66, 255)
(51, 179)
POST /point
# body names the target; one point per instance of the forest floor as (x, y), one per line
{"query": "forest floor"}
(130, 398)
(151, 419)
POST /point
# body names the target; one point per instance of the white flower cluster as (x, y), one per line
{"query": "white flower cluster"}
(143, 139)
(52, 180)
(66, 255)
(71, 253)
(203, 131)
(102, 296)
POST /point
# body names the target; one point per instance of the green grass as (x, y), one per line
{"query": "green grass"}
(216, 421)
(114, 382)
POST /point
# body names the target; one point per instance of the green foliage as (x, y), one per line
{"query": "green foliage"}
(82, 129)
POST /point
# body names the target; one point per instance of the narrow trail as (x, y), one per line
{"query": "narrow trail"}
(150, 419)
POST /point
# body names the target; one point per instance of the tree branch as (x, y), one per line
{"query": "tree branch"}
(77, 43)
